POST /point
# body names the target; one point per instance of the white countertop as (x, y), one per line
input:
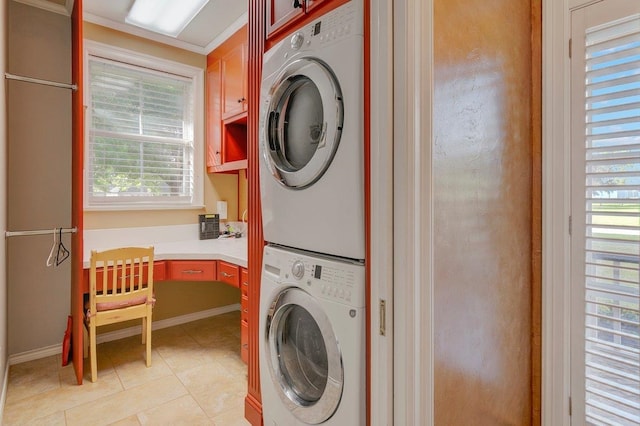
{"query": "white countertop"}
(178, 242)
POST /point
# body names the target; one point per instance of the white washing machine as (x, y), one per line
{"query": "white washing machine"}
(311, 339)
(311, 136)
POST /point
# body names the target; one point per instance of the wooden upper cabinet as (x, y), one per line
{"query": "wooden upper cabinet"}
(283, 15)
(234, 81)
(281, 12)
(311, 4)
(214, 114)
(226, 120)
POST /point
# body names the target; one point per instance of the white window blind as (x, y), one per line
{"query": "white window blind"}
(141, 136)
(612, 220)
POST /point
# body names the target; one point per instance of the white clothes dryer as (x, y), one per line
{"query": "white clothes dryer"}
(311, 136)
(311, 339)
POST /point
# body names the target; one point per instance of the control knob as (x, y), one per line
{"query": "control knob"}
(297, 269)
(296, 41)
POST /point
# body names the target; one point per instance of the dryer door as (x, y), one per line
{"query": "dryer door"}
(303, 122)
(304, 358)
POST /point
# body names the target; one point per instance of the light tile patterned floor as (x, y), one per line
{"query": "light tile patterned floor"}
(196, 378)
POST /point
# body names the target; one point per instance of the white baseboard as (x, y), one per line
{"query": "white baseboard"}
(3, 397)
(121, 334)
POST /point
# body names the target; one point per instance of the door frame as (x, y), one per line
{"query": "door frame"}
(401, 209)
(556, 201)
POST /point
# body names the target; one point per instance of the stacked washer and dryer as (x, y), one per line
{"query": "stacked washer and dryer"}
(312, 297)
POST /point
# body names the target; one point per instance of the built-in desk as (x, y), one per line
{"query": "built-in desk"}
(180, 256)
(189, 260)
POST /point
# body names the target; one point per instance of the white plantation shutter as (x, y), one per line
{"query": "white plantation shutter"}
(610, 234)
(140, 147)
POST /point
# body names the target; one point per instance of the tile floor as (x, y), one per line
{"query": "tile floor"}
(196, 378)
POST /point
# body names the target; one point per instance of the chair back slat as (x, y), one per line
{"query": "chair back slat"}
(122, 273)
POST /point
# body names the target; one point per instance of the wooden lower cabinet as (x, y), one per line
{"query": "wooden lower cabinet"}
(229, 273)
(244, 315)
(191, 270)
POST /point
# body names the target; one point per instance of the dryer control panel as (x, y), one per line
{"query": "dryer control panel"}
(322, 276)
(340, 23)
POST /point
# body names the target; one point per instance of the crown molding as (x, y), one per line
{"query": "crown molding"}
(139, 32)
(49, 6)
(228, 32)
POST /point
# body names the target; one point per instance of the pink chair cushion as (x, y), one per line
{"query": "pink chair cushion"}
(109, 306)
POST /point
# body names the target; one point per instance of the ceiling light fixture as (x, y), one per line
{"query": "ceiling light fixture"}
(169, 17)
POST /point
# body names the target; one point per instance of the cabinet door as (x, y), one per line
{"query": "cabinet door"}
(311, 4)
(234, 81)
(229, 273)
(281, 12)
(244, 315)
(214, 114)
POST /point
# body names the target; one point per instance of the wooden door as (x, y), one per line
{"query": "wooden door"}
(234, 77)
(77, 188)
(214, 114)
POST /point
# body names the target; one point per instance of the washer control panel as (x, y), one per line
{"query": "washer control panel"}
(340, 23)
(322, 276)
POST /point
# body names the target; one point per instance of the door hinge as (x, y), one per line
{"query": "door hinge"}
(570, 224)
(570, 45)
(383, 317)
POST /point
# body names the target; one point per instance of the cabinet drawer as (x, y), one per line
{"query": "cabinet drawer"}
(244, 282)
(244, 342)
(229, 273)
(244, 309)
(192, 270)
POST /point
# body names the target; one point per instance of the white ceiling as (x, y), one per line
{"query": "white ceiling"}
(216, 21)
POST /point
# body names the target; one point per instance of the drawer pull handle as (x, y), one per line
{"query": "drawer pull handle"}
(227, 275)
(245, 283)
(246, 311)
(192, 271)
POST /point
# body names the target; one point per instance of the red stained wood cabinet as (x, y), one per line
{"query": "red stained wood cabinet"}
(191, 270)
(226, 120)
(214, 114)
(234, 80)
(282, 13)
(229, 273)
(244, 315)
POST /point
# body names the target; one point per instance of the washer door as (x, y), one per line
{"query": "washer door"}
(304, 358)
(303, 122)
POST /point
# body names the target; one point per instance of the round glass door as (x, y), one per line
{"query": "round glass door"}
(303, 123)
(304, 357)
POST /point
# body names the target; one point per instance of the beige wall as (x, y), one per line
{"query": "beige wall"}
(38, 176)
(482, 203)
(243, 191)
(216, 186)
(3, 195)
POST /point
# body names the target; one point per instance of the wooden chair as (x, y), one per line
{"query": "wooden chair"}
(120, 289)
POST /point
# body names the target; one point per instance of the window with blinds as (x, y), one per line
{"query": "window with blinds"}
(612, 223)
(140, 149)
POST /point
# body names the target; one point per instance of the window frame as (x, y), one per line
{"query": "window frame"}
(156, 64)
(556, 261)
